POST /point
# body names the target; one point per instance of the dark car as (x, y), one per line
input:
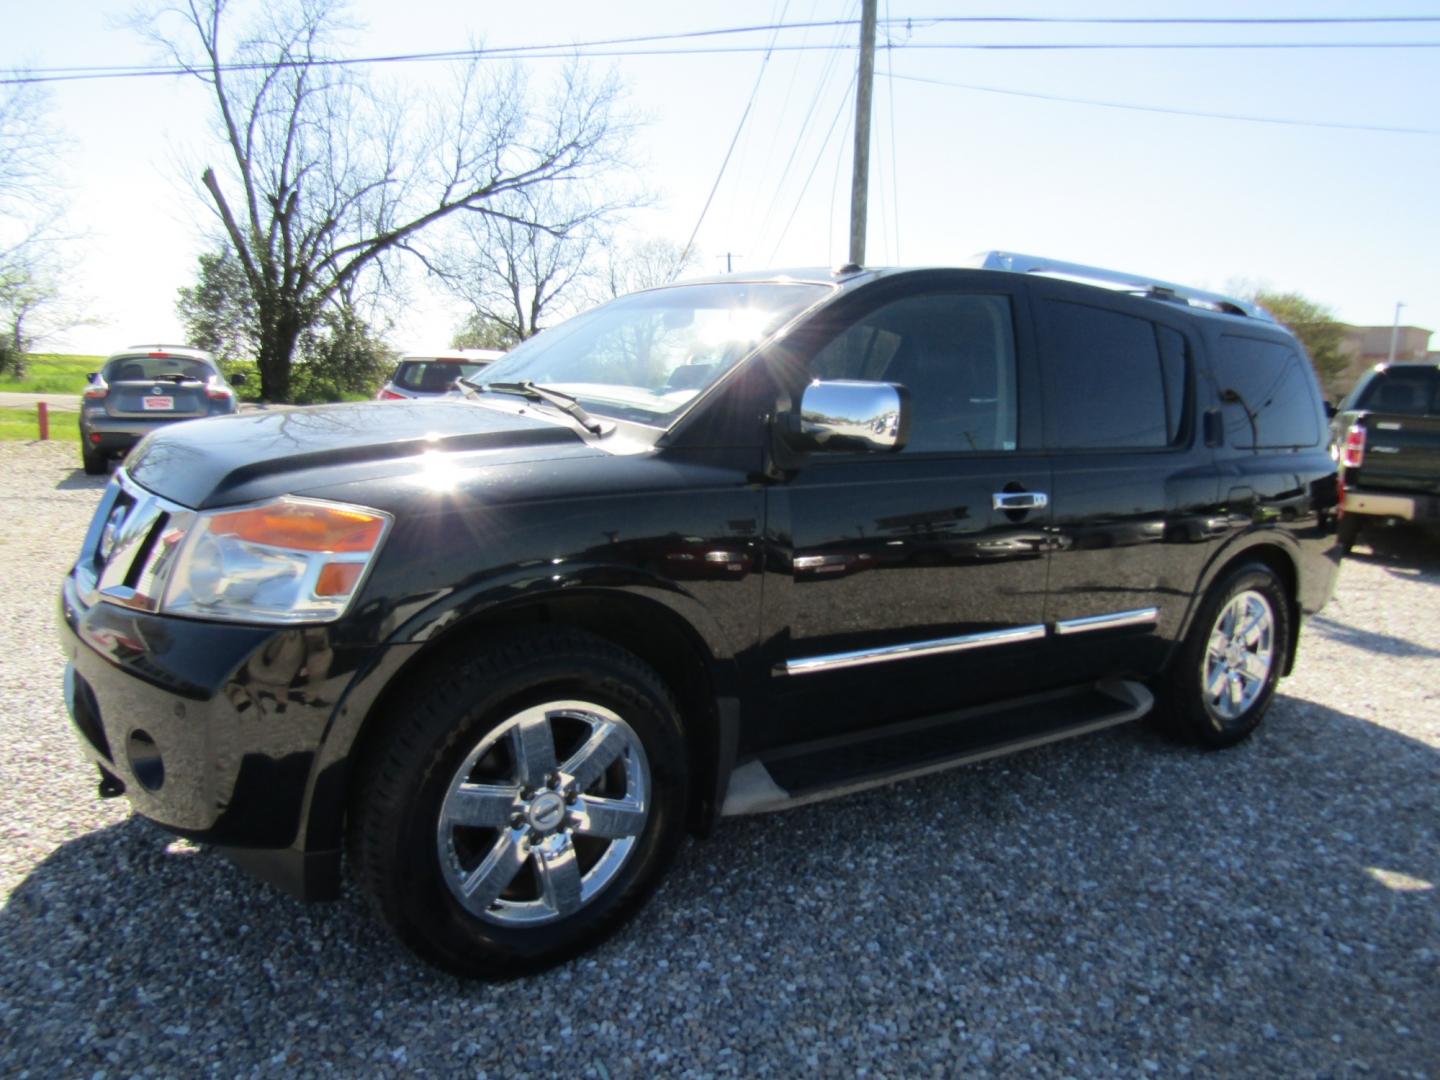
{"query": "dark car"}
(711, 549)
(1386, 435)
(435, 376)
(142, 389)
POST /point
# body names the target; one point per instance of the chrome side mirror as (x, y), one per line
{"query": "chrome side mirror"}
(852, 416)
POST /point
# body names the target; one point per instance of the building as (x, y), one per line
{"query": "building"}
(1365, 346)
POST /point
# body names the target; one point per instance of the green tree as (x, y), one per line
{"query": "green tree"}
(1318, 330)
(480, 332)
(217, 311)
(341, 356)
(324, 181)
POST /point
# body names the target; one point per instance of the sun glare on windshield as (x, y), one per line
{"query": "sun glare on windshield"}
(645, 356)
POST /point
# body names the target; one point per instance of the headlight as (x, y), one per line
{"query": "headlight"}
(290, 560)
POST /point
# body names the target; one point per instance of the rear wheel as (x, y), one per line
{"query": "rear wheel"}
(1226, 672)
(95, 461)
(524, 809)
(1347, 532)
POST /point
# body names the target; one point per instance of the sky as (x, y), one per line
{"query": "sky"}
(972, 149)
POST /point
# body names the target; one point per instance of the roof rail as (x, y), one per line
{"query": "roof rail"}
(1160, 290)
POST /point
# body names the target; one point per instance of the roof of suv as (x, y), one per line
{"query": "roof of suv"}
(1111, 281)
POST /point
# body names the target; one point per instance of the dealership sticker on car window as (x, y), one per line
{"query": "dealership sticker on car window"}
(159, 402)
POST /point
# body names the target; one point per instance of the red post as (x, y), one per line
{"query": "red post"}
(44, 411)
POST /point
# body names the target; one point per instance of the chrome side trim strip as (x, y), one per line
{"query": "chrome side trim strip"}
(1138, 617)
(836, 661)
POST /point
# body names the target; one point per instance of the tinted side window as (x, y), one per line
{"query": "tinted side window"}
(1116, 388)
(956, 356)
(1267, 395)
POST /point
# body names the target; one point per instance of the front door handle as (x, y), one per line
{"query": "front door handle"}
(1021, 500)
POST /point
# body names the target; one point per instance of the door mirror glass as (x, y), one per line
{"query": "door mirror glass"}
(849, 415)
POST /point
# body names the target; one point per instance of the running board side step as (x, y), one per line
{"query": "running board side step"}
(829, 768)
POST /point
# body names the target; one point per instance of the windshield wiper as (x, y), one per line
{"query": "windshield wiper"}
(531, 392)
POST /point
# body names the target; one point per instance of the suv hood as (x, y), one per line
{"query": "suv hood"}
(234, 459)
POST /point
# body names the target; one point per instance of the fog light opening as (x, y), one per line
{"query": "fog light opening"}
(145, 761)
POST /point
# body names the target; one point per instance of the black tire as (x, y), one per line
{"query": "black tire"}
(410, 854)
(96, 463)
(1347, 531)
(1185, 707)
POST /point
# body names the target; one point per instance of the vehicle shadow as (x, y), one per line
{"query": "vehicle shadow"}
(1401, 547)
(80, 480)
(1075, 909)
(1369, 640)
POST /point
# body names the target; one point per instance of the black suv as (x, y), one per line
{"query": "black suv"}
(710, 549)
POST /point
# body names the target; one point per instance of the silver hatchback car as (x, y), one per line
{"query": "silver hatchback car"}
(143, 388)
(434, 376)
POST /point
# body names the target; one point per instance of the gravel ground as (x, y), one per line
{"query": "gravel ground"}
(1111, 905)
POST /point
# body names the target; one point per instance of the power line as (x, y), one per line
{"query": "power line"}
(797, 143)
(754, 92)
(1171, 111)
(604, 48)
(844, 100)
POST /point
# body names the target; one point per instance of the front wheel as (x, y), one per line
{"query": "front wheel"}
(1225, 674)
(525, 807)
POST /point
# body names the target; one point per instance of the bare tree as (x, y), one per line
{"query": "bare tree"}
(645, 264)
(519, 268)
(325, 179)
(34, 260)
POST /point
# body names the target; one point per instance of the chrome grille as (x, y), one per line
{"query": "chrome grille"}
(131, 546)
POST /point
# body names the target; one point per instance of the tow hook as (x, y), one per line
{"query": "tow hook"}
(110, 787)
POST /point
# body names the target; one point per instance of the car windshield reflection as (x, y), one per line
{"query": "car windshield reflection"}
(644, 357)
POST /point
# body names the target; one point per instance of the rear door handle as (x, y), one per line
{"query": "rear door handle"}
(1021, 500)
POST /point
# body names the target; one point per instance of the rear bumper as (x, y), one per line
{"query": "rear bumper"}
(212, 729)
(1420, 508)
(116, 434)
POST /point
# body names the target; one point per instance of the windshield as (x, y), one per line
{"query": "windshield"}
(150, 368)
(644, 356)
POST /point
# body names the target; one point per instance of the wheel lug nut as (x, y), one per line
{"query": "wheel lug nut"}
(553, 780)
(517, 820)
(527, 793)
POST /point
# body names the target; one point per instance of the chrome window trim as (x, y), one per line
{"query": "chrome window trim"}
(809, 665)
(1114, 620)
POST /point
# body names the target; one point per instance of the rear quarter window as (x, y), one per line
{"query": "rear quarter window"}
(1267, 393)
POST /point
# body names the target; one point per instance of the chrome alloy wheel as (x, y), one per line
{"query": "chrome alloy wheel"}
(1239, 655)
(543, 813)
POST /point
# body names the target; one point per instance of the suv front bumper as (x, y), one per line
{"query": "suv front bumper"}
(213, 730)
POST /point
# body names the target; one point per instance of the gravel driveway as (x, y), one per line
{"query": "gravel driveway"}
(1112, 905)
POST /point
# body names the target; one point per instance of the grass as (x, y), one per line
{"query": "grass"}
(54, 373)
(21, 425)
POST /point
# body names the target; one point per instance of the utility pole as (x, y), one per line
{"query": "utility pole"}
(860, 177)
(1394, 333)
(729, 263)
